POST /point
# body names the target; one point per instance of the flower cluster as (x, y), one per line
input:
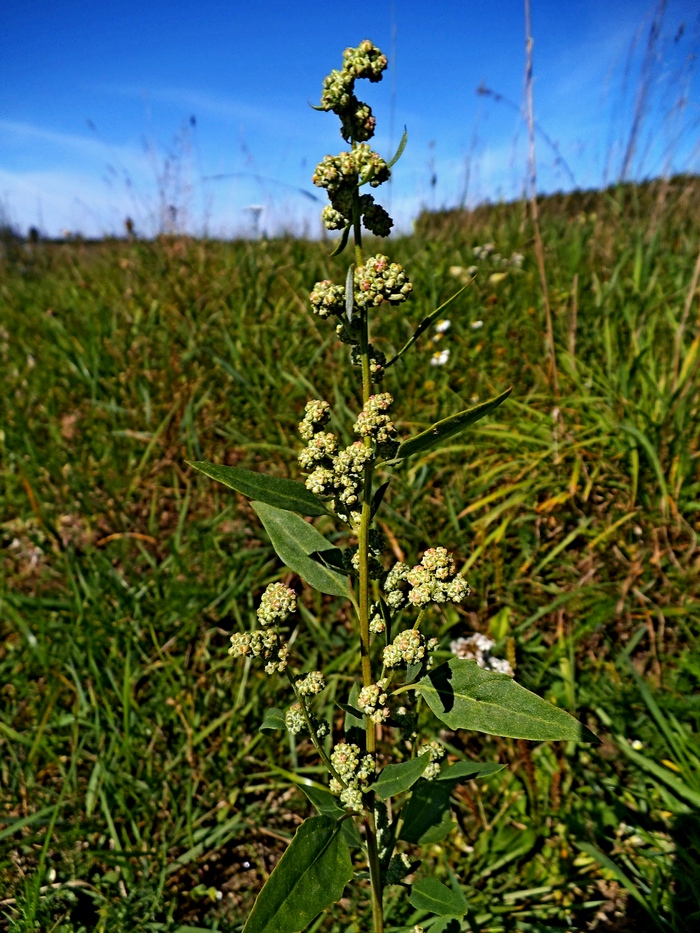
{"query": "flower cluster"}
(295, 721)
(354, 770)
(278, 602)
(342, 174)
(265, 644)
(377, 625)
(478, 648)
(372, 699)
(316, 415)
(436, 753)
(327, 299)
(310, 685)
(409, 647)
(333, 474)
(380, 280)
(374, 422)
(435, 580)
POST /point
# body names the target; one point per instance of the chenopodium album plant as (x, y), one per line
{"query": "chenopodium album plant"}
(371, 818)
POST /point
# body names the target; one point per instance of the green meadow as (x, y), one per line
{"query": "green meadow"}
(136, 790)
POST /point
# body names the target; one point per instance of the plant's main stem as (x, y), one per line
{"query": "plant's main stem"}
(365, 521)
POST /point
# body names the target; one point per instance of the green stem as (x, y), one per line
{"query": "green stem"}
(312, 732)
(365, 521)
(374, 873)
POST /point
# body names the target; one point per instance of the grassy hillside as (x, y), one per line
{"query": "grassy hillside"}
(136, 792)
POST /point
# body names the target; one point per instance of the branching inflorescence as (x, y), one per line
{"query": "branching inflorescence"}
(392, 601)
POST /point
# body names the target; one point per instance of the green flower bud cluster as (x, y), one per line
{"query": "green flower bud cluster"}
(380, 280)
(322, 447)
(435, 580)
(341, 174)
(316, 414)
(436, 753)
(357, 122)
(407, 648)
(396, 585)
(373, 422)
(265, 644)
(354, 770)
(278, 602)
(326, 298)
(372, 699)
(377, 361)
(312, 684)
(366, 61)
(295, 722)
(375, 218)
(377, 625)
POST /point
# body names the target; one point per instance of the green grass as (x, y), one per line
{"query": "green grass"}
(131, 765)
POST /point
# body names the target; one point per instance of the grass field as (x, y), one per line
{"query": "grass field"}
(136, 792)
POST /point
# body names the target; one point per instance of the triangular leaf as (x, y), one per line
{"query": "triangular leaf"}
(399, 151)
(468, 770)
(327, 805)
(294, 540)
(310, 876)
(427, 816)
(273, 721)
(431, 894)
(274, 490)
(343, 242)
(349, 292)
(464, 696)
(395, 779)
(440, 431)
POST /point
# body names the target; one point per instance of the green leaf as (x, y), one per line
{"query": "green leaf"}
(395, 779)
(425, 324)
(608, 863)
(282, 493)
(427, 816)
(349, 291)
(468, 770)
(294, 540)
(327, 805)
(354, 725)
(431, 894)
(343, 242)
(464, 696)
(273, 721)
(310, 876)
(378, 497)
(399, 151)
(448, 427)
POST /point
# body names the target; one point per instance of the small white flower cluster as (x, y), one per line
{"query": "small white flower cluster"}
(327, 299)
(374, 422)
(371, 701)
(380, 280)
(478, 648)
(355, 770)
(346, 170)
(312, 684)
(265, 644)
(487, 251)
(295, 721)
(333, 474)
(407, 648)
(316, 414)
(435, 580)
(277, 603)
(436, 753)
(377, 625)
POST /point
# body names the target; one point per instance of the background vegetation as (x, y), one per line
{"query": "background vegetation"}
(136, 792)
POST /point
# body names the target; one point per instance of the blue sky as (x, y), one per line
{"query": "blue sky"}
(125, 108)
